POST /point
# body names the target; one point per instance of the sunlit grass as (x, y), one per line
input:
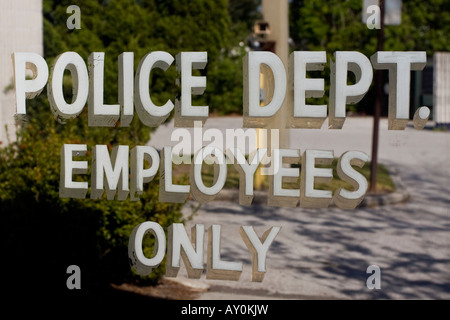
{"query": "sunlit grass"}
(384, 181)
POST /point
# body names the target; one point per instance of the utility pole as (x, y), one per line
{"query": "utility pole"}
(378, 103)
(276, 15)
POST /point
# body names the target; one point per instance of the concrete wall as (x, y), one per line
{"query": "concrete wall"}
(21, 29)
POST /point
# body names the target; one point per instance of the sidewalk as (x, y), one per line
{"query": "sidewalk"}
(324, 253)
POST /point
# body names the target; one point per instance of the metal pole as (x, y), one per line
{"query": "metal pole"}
(276, 13)
(377, 105)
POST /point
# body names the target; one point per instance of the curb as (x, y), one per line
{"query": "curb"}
(400, 195)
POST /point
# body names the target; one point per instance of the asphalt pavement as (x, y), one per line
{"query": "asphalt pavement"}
(325, 253)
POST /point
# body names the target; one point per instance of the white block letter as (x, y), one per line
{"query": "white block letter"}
(256, 116)
(193, 258)
(149, 113)
(73, 62)
(185, 112)
(300, 87)
(126, 87)
(350, 199)
(201, 192)
(258, 248)
(341, 93)
(279, 196)
(28, 88)
(310, 197)
(100, 115)
(112, 171)
(246, 172)
(217, 268)
(169, 192)
(136, 257)
(67, 187)
(139, 175)
(399, 65)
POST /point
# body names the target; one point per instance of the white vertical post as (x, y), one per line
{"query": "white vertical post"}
(441, 87)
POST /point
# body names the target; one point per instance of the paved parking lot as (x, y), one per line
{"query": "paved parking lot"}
(324, 253)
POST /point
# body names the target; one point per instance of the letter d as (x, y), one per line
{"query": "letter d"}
(254, 114)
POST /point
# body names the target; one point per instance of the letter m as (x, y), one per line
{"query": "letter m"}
(245, 140)
(112, 172)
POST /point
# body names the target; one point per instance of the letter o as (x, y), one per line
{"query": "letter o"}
(138, 260)
(222, 175)
(73, 62)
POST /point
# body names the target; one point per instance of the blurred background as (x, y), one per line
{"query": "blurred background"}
(41, 234)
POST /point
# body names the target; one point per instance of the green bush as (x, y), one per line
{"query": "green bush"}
(43, 233)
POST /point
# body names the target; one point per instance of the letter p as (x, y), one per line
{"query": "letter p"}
(28, 88)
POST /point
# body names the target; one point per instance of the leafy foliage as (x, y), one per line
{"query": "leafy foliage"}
(143, 26)
(44, 233)
(336, 25)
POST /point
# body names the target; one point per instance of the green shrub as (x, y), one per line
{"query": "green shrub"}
(42, 234)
